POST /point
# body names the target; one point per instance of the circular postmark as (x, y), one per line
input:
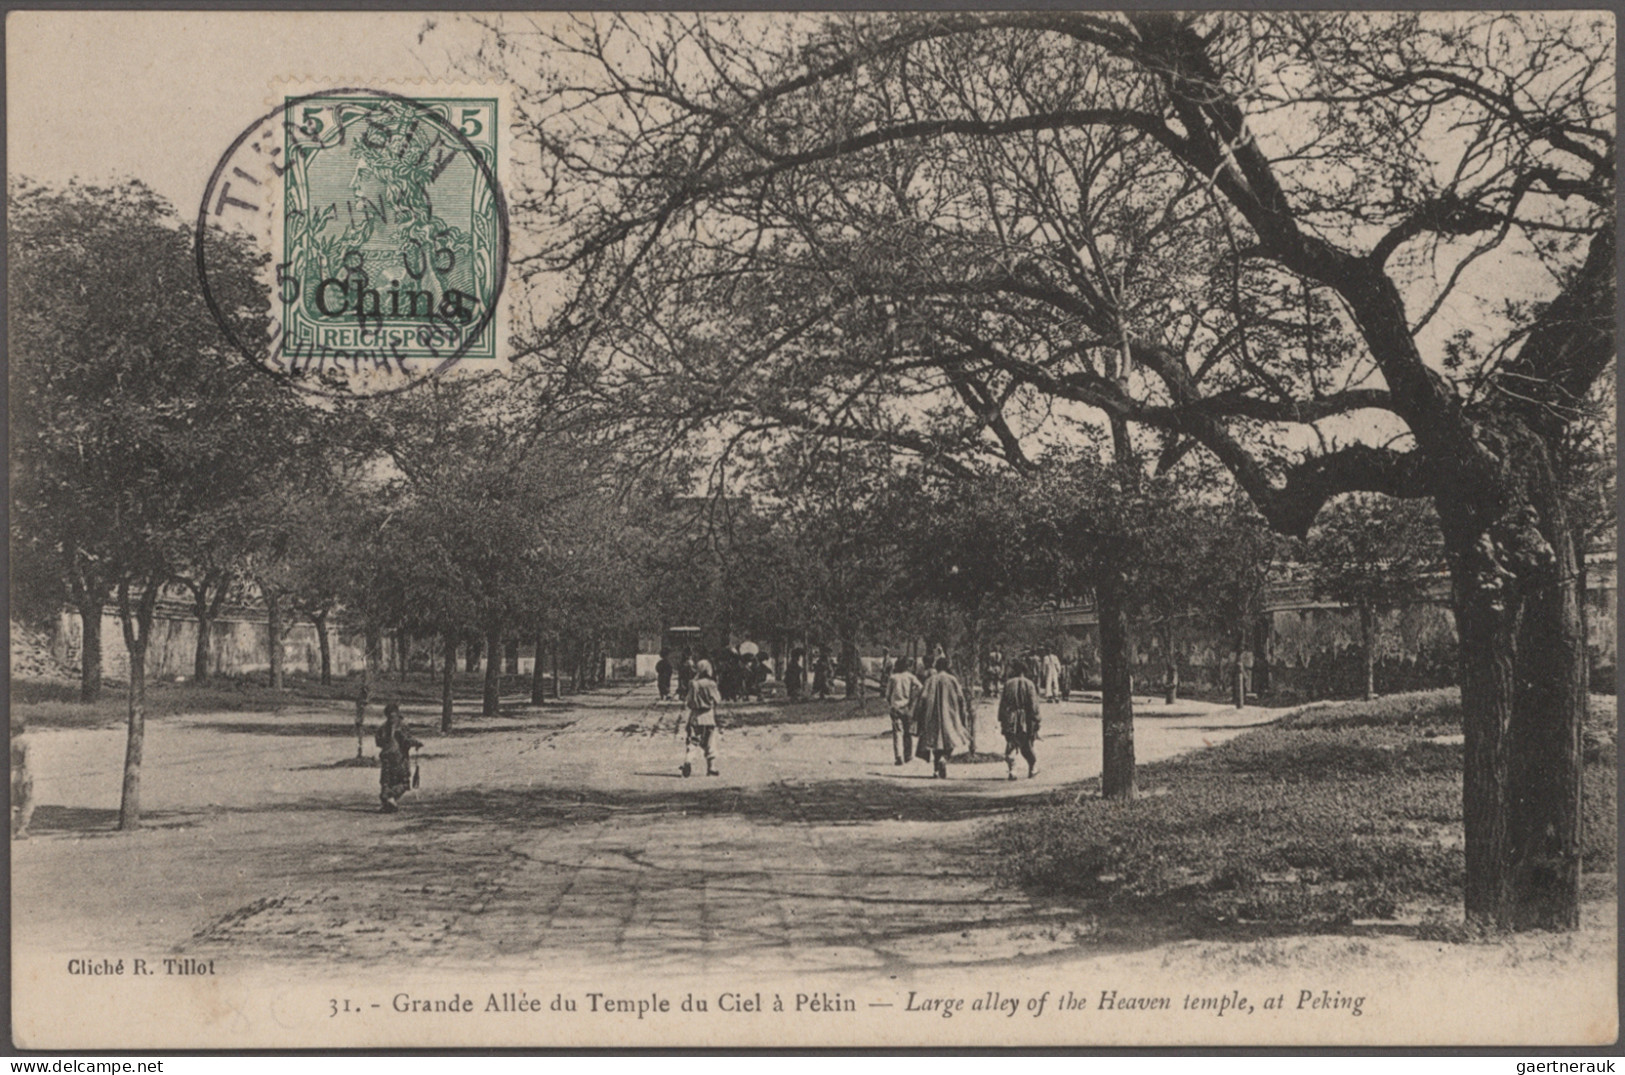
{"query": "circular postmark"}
(355, 241)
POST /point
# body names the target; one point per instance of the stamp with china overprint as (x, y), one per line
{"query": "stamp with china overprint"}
(386, 234)
(390, 235)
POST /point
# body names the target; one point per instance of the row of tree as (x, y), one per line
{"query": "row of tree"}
(1336, 253)
(146, 457)
(845, 545)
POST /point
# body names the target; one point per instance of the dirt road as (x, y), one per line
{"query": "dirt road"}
(565, 829)
(556, 852)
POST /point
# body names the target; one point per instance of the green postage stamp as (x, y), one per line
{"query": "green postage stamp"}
(392, 229)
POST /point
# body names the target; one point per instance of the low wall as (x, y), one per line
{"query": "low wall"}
(237, 644)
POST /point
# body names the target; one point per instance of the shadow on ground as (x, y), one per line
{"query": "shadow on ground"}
(463, 726)
(86, 820)
(820, 802)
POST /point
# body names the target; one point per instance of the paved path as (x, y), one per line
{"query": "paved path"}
(559, 833)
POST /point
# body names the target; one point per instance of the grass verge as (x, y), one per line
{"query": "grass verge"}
(1338, 812)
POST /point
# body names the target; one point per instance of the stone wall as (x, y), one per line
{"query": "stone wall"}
(238, 645)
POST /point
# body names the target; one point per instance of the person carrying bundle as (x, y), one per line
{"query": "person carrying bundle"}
(1018, 719)
(395, 745)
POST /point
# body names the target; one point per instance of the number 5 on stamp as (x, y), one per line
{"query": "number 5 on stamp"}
(390, 226)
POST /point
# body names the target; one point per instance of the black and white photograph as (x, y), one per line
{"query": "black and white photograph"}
(931, 529)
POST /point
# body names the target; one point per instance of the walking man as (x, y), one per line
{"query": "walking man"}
(663, 674)
(902, 695)
(1052, 675)
(701, 705)
(1018, 719)
(942, 714)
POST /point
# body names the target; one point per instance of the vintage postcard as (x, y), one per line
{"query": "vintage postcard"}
(802, 529)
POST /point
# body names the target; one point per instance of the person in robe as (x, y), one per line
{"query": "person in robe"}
(724, 666)
(823, 674)
(1018, 719)
(941, 719)
(663, 674)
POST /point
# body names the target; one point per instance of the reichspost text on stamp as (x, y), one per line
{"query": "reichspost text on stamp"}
(380, 236)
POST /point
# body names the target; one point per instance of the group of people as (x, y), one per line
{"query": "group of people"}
(1049, 671)
(930, 718)
(930, 714)
(795, 675)
(740, 676)
(737, 676)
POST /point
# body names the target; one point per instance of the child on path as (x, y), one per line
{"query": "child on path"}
(701, 702)
(395, 745)
(1018, 719)
(902, 695)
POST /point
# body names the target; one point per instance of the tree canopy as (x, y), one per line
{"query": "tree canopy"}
(1346, 252)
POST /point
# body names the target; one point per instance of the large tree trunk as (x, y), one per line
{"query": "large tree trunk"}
(1546, 761)
(1116, 691)
(493, 671)
(324, 646)
(1116, 653)
(273, 629)
(1486, 640)
(448, 669)
(538, 675)
(1523, 707)
(90, 648)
